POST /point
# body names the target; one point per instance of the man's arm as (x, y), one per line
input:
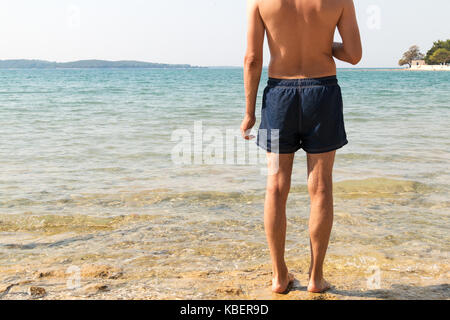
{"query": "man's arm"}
(252, 64)
(350, 50)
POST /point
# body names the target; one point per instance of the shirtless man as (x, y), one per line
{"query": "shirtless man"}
(302, 105)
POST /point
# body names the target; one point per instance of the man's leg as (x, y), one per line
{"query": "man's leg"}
(320, 188)
(278, 185)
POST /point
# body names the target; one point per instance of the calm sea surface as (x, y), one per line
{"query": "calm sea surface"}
(82, 151)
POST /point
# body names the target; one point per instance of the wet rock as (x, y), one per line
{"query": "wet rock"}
(37, 292)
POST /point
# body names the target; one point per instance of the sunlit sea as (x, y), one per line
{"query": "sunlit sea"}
(88, 176)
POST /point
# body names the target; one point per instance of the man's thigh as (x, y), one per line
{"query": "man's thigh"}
(280, 165)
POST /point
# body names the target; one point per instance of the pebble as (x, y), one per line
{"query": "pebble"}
(36, 292)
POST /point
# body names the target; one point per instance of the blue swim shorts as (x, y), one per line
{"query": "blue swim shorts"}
(302, 114)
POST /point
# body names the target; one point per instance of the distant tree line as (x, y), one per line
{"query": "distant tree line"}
(438, 54)
(40, 64)
(413, 53)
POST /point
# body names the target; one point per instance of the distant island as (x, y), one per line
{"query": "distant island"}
(436, 59)
(85, 64)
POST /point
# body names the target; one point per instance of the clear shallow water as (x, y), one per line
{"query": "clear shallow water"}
(81, 148)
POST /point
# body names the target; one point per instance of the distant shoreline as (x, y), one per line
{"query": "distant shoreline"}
(88, 64)
(429, 68)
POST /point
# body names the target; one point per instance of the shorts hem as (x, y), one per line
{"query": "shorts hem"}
(327, 149)
(288, 151)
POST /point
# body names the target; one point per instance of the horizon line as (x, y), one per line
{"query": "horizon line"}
(167, 63)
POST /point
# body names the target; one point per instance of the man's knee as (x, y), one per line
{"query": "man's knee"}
(320, 188)
(278, 188)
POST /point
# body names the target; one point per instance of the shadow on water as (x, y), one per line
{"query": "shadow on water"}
(396, 292)
(399, 292)
(60, 243)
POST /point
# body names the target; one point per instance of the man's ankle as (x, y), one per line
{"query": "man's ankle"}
(280, 274)
(316, 276)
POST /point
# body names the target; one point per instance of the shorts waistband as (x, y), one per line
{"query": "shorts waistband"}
(308, 82)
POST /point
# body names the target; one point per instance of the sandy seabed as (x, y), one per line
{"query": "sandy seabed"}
(110, 276)
(106, 282)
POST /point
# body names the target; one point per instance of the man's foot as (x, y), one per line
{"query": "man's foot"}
(318, 286)
(283, 286)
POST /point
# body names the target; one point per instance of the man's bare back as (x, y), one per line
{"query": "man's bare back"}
(300, 34)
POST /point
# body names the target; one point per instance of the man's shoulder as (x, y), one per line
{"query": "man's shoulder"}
(253, 3)
(338, 3)
(345, 3)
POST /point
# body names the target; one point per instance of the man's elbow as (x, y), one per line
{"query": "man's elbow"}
(252, 61)
(355, 57)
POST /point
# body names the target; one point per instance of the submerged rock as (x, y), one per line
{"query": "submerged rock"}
(87, 271)
(230, 290)
(37, 292)
(96, 288)
(101, 271)
(49, 274)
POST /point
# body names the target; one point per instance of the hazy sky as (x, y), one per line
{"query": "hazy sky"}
(198, 32)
